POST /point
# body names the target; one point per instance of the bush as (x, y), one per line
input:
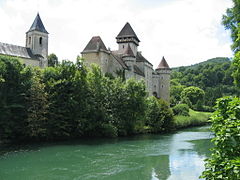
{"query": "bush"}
(225, 160)
(181, 109)
(159, 116)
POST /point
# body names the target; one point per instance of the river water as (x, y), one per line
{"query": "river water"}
(176, 156)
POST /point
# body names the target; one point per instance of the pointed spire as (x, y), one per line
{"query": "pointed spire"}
(127, 31)
(38, 25)
(163, 64)
(128, 52)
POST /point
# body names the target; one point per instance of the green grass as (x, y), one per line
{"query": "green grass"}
(195, 119)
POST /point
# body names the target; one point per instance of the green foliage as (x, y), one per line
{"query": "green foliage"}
(13, 86)
(175, 91)
(37, 107)
(192, 96)
(236, 65)
(194, 119)
(52, 60)
(181, 109)
(231, 21)
(70, 101)
(158, 115)
(213, 76)
(225, 160)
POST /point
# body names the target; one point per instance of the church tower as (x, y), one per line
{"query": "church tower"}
(37, 40)
(127, 37)
(163, 72)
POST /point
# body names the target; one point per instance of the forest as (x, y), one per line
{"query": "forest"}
(213, 77)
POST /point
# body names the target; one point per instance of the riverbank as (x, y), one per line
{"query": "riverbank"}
(195, 118)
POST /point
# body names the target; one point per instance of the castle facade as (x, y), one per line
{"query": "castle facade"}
(129, 60)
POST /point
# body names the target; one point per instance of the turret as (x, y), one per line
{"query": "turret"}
(37, 40)
(126, 37)
(163, 71)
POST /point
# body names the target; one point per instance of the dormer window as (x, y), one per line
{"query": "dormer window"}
(29, 40)
(40, 40)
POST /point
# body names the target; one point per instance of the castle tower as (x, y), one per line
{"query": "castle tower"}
(163, 72)
(37, 40)
(127, 36)
(130, 60)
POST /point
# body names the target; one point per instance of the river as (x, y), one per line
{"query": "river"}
(175, 156)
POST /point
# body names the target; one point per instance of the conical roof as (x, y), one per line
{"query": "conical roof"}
(95, 44)
(128, 52)
(163, 64)
(127, 31)
(38, 25)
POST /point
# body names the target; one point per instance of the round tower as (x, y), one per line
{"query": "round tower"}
(37, 40)
(163, 72)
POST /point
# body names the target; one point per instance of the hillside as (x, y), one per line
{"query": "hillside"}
(216, 60)
(214, 76)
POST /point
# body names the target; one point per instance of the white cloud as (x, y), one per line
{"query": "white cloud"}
(184, 31)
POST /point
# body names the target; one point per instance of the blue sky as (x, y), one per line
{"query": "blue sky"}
(184, 31)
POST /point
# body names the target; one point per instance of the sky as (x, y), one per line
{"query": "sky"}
(185, 32)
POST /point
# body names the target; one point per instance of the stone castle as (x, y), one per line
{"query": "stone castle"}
(127, 59)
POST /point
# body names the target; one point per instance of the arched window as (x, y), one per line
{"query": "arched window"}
(40, 40)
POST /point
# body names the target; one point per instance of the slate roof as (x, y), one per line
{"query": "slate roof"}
(119, 59)
(138, 71)
(128, 52)
(140, 58)
(127, 31)
(95, 44)
(18, 51)
(38, 25)
(163, 64)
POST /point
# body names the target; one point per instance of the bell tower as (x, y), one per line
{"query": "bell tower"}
(37, 40)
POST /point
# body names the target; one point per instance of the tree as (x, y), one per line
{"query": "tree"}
(193, 94)
(175, 92)
(231, 21)
(224, 162)
(13, 85)
(236, 65)
(37, 107)
(52, 60)
(159, 117)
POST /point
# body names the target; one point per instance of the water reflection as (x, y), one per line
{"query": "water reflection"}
(177, 156)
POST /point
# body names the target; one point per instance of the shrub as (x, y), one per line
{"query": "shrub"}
(181, 109)
(225, 160)
(159, 116)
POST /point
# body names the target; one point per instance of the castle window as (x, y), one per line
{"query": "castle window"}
(155, 94)
(40, 40)
(162, 86)
(123, 46)
(29, 40)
